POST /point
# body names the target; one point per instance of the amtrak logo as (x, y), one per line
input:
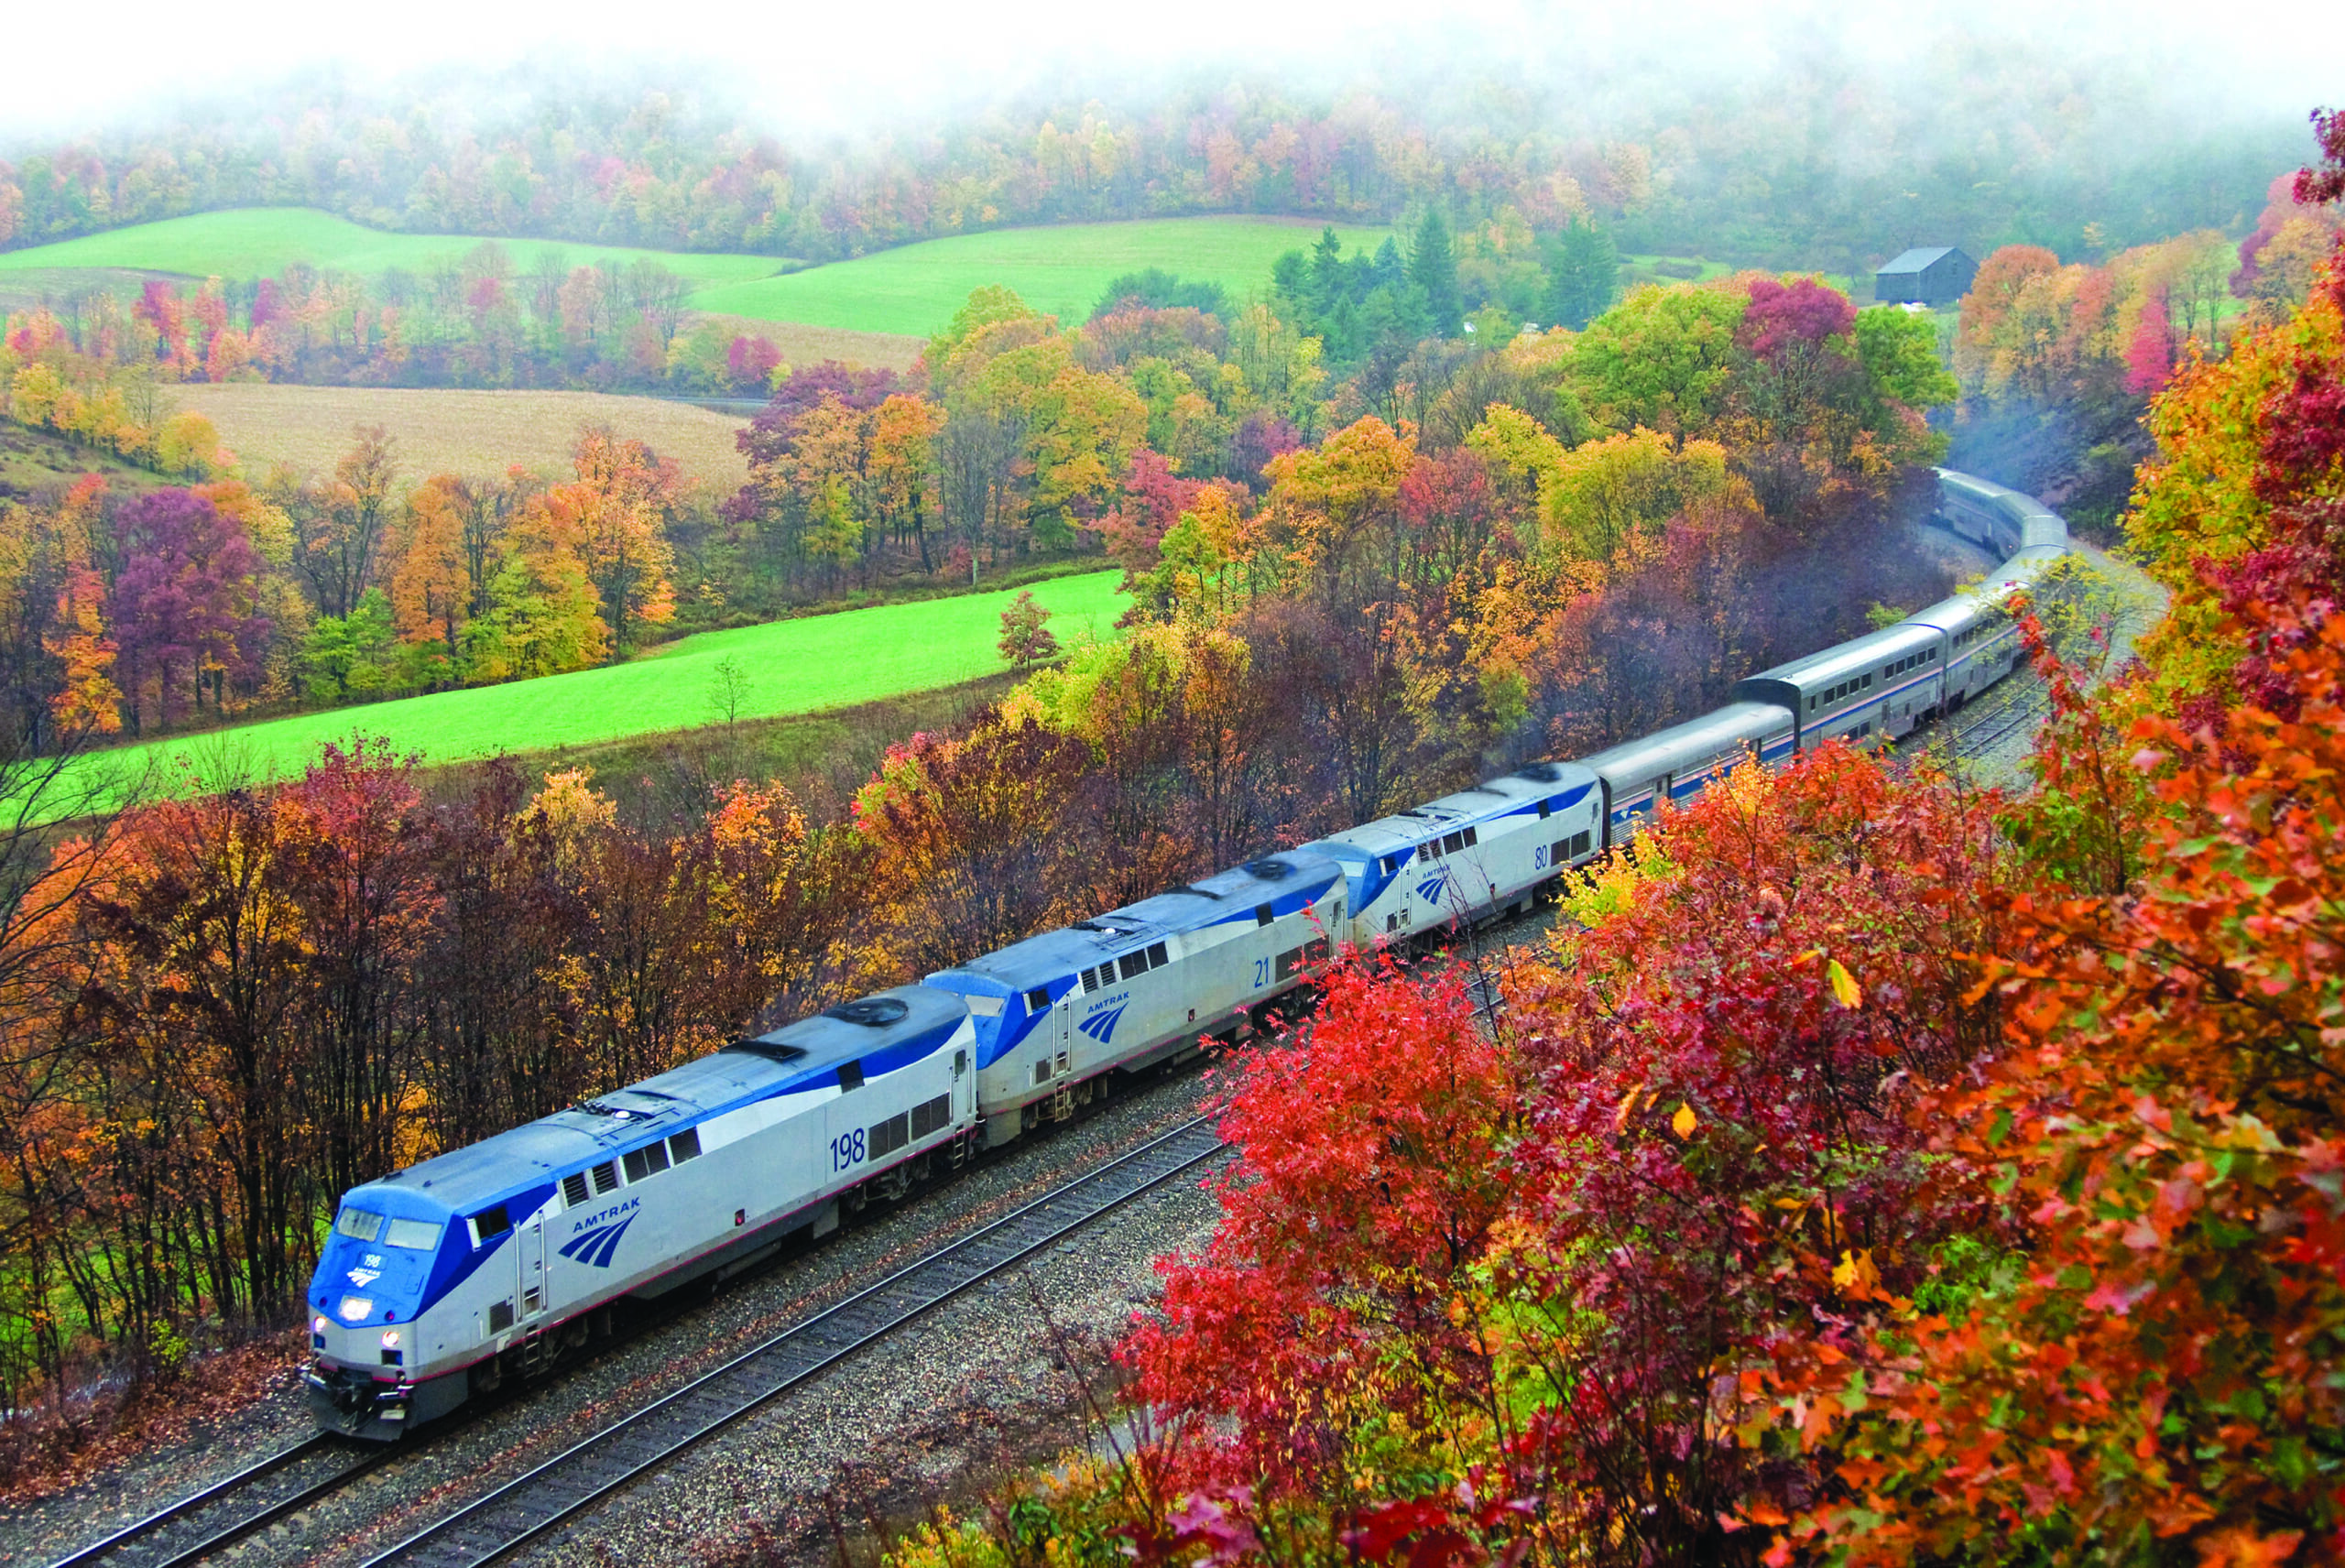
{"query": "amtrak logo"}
(362, 1278)
(596, 1245)
(1435, 886)
(1099, 1026)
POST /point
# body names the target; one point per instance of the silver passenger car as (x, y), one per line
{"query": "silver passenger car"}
(1877, 686)
(1676, 764)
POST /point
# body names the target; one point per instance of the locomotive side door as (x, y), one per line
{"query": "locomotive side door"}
(529, 1260)
(1059, 1032)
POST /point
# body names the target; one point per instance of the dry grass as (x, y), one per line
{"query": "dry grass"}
(468, 432)
(803, 345)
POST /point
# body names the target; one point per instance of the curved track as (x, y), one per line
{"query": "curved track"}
(524, 1509)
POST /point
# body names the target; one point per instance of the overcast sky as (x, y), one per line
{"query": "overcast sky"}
(840, 62)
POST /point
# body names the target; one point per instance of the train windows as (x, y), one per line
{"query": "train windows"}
(1132, 964)
(1471, 838)
(1452, 843)
(649, 1161)
(1262, 914)
(606, 1178)
(358, 1224)
(890, 1135)
(1811, 704)
(489, 1223)
(1866, 684)
(415, 1236)
(850, 1077)
(573, 1188)
(1037, 1001)
(1392, 863)
(1157, 956)
(684, 1145)
(931, 1115)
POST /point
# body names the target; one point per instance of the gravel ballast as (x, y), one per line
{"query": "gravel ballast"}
(974, 1365)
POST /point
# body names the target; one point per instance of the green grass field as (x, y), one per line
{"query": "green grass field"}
(792, 667)
(912, 289)
(253, 242)
(1063, 270)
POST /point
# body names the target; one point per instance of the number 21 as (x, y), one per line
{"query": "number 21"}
(1261, 972)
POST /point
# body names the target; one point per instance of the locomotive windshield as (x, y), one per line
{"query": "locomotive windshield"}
(416, 1235)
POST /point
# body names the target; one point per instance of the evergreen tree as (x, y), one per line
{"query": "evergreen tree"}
(1432, 267)
(1583, 274)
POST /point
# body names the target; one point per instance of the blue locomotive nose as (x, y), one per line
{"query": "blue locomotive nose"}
(376, 1266)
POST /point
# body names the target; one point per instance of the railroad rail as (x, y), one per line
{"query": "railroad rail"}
(524, 1509)
(212, 1521)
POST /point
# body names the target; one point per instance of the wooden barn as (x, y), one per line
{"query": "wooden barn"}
(1928, 275)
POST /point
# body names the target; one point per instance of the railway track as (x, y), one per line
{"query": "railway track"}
(528, 1508)
(224, 1513)
(210, 1522)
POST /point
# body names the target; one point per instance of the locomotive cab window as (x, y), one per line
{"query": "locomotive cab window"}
(416, 1235)
(490, 1224)
(358, 1224)
(1037, 1001)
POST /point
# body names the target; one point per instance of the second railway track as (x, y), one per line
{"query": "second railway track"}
(229, 1510)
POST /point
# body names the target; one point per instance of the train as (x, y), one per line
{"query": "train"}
(437, 1283)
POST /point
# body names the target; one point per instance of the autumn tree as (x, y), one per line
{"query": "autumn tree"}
(432, 588)
(343, 526)
(1662, 358)
(615, 511)
(184, 604)
(1025, 636)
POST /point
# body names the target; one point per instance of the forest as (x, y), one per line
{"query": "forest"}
(1829, 164)
(1469, 572)
(1016, 440)
(1877, 1168)
(1877, 1171)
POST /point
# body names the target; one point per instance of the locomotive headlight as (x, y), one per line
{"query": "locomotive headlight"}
(318, 1325)
(355, 1308)
(390, 1339)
